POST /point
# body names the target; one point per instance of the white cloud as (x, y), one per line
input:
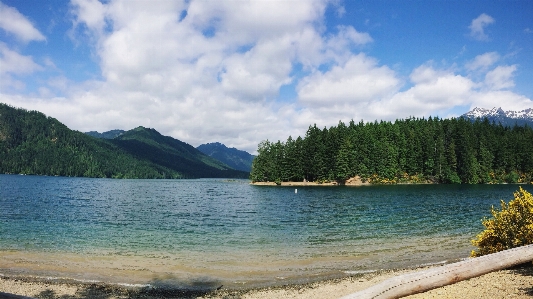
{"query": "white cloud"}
(15, 63)
(426, 73)
(477, 27)
(12, 21)
(483, 62)
(258, 73)
(12, 65)
(210, 76)
(60, 83)
(501, 98)
(501, 77)
(359, 80)
(244, 22)
(433, 91)
(337, 47)
(7, 82)
(348, 35)
(91, 13)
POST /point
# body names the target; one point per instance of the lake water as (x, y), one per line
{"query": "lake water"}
(209, 232)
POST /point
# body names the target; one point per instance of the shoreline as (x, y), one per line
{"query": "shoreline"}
(355, 181)
(516, 282)
(133, 272)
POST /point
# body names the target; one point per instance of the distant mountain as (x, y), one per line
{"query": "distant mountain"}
(234, 158)
(506, 118)
(148, 144)
(106, 135)
(32, 143)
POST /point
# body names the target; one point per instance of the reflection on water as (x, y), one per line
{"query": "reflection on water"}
(214, 230)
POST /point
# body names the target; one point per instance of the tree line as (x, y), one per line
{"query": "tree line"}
(434, 150)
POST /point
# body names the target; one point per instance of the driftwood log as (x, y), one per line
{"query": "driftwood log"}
(413, 283)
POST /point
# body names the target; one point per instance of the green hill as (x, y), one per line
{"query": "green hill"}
(148, 144)
(232, 157)
(32, 143)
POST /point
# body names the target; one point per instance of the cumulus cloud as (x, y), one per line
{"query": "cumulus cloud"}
(483, 62)
(91, 14)
(477, 27)
(12, 65)
(258, 73)
(359, 80)
(426, 73)
(199, 71)
(347, 36)
(12, 21)
(500, 78)
(511, 100)
(433, 90)
(15, 63)
(215, 71)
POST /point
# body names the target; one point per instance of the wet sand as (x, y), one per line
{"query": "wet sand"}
(238, 269)
(355, 181)
(512, 283)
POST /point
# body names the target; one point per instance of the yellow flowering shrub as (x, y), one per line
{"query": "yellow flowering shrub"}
(511, 227)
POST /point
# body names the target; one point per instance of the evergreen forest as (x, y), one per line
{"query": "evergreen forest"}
(412, 150)
(32, 143)
(232, 157)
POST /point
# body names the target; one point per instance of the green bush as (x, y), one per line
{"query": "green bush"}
(511, 227)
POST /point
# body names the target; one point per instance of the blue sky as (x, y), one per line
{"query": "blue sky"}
(239, 72)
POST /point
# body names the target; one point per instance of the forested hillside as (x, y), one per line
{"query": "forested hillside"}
(106, 135)
(32, 143)
(412, 150)
(232, 157)
(148, 144)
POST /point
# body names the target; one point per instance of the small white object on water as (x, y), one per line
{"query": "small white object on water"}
(295, 191)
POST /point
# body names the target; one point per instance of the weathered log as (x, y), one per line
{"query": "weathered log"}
(417, 282)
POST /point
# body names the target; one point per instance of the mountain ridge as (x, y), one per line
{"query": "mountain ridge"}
(230, 157)
(106, 135)
(36, 144)
(498, 115)
(235, 158)
(148, 143)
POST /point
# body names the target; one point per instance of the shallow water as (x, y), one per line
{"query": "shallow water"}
(215, 231)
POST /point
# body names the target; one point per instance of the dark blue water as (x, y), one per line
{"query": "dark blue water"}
(230, 230)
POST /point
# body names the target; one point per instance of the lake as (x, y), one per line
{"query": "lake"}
(209, 232)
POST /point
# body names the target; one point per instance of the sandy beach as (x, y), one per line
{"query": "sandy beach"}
(355, 181)
(511, 283)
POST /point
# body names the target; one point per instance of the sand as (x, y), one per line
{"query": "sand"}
(512, 283)
(355, 181)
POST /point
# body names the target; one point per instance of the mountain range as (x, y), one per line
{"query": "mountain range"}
(32, 143)
(106, 135)
(506, 118)
(232, 157)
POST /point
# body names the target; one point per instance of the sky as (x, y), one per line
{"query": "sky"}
(239, 72)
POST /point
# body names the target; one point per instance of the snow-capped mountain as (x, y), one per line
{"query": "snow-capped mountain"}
(506, 118)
